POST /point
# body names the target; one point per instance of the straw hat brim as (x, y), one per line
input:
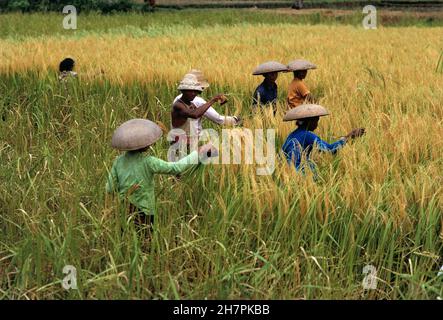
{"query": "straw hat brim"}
(190, 82)
(136, 134)
(298, 65)
(305, 111)
(268, 67)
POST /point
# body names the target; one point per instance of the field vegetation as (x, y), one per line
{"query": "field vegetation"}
(221, 231)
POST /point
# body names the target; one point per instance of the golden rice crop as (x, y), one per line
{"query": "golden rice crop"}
(383, 80)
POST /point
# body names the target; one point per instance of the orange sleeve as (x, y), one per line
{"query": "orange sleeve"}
(303, 89)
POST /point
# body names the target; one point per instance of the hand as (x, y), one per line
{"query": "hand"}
(238, 120)
(358, 132)
(219, 98)
(208, 150)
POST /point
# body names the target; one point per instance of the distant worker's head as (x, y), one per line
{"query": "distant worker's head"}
(308, 123)
(300, 74)
(67, 64)
(271, 77)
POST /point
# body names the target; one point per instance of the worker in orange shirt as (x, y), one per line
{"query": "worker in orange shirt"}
(298, 92)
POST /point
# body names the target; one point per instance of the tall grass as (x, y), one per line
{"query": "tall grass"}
(223, 231)
(18, 26)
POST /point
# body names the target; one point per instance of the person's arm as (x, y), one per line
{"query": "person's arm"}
(196, 113)
(333, 147)
(211, 114)
(322, 145)
(330, 147)
(214, 116)
(157, 165)
(304, 92)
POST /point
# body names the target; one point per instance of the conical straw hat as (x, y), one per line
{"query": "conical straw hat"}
(305, 111)
(270, 66)
(200, 78)
(136, 134)
(301, 64)
(190, 82)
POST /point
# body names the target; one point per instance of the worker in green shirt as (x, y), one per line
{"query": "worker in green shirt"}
(132, 174)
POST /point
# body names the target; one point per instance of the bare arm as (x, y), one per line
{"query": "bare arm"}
(181, 110)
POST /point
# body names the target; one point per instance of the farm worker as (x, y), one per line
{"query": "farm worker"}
(132, 173)
(298, 92)
(301, 141)
(266, 92)
(210, 113)
(66, 68)
(188, 108)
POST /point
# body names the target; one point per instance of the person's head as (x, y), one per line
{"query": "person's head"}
(190, 87)
(308, 123)
(271, 77)
(189, 95)
(67, 64)
(136, 135)
(300, 74)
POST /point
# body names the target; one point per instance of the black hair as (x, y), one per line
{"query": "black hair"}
(66, 65)
(297, 72)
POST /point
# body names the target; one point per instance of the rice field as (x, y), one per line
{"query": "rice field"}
(222, 232)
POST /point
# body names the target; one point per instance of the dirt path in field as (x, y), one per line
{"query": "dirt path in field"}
(389, 11)
(394, 4)
(387, 14)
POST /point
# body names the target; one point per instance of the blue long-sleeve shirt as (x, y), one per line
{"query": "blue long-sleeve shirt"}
(302, 141)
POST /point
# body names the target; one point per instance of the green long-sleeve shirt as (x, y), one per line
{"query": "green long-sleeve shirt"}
(132, 176)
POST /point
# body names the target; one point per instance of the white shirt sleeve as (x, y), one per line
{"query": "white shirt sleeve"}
(212, 114)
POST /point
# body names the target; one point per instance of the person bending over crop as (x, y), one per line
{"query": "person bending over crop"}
(66, 69)
(301, 141)
(132, 173)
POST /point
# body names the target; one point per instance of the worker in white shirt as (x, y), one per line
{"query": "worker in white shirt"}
(210, 113)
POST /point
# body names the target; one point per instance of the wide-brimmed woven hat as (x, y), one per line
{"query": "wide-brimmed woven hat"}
(305, 111)
(190, 82)
(268, 67)
(200, 78)
(136, 134)
(301, 64)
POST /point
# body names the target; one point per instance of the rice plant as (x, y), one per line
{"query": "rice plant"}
(222, 231)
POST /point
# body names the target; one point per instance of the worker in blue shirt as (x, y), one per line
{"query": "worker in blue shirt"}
(301, 141)
(266, 93)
